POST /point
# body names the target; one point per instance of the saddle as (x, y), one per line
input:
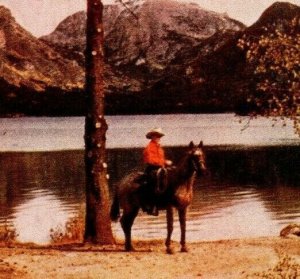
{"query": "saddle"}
(156, 180)
(152, 185)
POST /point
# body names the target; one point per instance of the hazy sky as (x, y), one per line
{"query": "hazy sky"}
(40, 17)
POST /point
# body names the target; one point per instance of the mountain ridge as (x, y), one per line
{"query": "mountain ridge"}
(176, 60)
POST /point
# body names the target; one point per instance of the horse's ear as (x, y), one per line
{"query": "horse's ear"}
(191, 145)
(200, 144)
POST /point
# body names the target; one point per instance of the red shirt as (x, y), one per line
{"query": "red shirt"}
(154, 155)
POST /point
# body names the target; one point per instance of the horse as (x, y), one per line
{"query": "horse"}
(178, 194)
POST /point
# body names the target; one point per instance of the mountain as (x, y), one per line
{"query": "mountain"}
(224, 77)
(162, 29)
(69, 36)
(161, 56)
(277, 12)
(30, 69)
(151, 36)
(141, 44)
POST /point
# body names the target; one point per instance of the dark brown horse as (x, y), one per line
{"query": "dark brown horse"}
(178, 193)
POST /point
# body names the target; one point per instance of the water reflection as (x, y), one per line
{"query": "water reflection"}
(40, 191)
(287, 206)
(37, 216)
(251, 192)
(231, 211)
(241, 219)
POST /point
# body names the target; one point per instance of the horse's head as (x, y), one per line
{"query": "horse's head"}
(197, 158)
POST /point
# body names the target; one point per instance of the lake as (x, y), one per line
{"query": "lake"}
(253, 189)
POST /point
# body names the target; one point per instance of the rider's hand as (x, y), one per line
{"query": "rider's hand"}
(168, 162)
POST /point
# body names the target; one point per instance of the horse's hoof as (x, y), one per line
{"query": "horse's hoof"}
(170, 251)
(184, 249)
(129, 249)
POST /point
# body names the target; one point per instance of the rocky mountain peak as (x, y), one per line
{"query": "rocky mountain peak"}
(143, 45)
(6, 23)
(28, 63)
(69, 30)
(69, 36)
(5, 14)
(142, 39)
(277, 12)
(160, 29)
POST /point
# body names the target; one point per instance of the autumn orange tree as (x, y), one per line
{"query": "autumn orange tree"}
(97, 224)
(274, 59)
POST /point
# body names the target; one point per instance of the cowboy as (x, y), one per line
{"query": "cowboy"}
(154, 158)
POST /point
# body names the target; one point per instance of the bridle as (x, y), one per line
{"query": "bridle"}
(198, 161)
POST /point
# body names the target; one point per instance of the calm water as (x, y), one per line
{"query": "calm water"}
(42, 134)
(253, 189)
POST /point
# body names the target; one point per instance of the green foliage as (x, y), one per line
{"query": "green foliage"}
(274, 59)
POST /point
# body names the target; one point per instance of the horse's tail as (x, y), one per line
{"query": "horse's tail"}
(115, 209)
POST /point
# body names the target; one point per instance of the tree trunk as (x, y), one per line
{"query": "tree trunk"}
(97, 223)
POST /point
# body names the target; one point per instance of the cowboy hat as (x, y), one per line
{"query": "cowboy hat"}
(157, 132)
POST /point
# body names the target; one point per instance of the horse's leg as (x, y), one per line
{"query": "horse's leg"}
(182, 220)
(170, 229)
(127, 220)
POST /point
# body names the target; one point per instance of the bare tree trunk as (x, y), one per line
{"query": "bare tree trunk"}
(98, 224)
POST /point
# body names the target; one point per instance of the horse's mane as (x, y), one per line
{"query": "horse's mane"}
(178, 173)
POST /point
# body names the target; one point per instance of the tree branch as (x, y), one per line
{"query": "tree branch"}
(128, 9)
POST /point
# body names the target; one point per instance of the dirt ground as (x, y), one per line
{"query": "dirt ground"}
(244, 258)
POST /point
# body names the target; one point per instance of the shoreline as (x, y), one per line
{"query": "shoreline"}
(234, 258)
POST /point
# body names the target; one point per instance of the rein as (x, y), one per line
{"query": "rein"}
(161, 180)
(194, 165)
(176, 175)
